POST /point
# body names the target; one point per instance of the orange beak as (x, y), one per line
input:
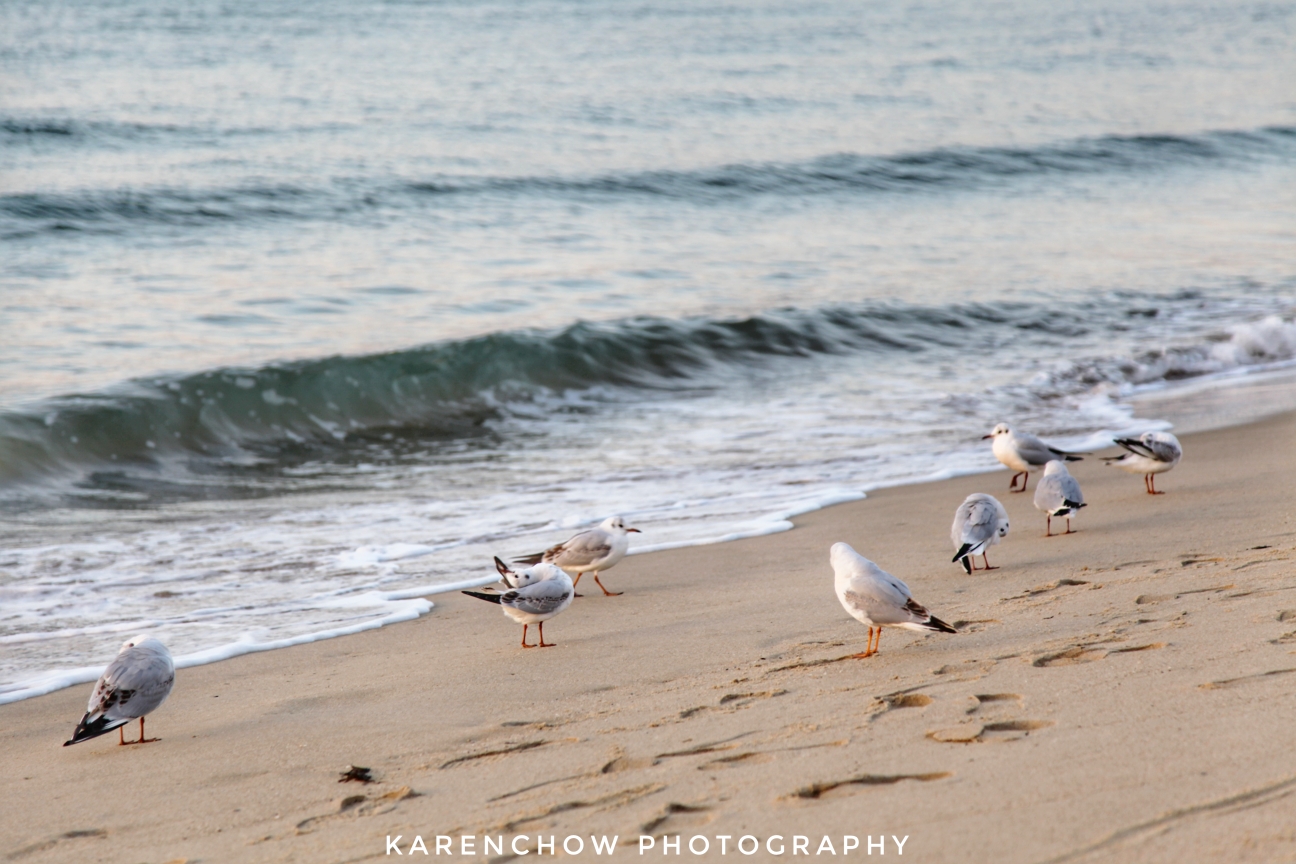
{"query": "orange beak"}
(633, 531)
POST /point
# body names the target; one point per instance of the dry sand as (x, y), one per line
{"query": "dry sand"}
(1126, 693)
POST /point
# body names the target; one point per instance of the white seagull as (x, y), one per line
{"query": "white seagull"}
(1149, 454)
(875, 598)
(536, 594)
(134, 684)
(1058, 494)
(589, 551)
(1022, 451)
(979, 523)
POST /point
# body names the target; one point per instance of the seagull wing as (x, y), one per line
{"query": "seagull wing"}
(582, 550)
(541, 598)
(1048, 494)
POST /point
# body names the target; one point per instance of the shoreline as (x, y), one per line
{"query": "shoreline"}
(1099, 682)
(1211, 403)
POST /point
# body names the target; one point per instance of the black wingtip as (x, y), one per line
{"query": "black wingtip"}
(481, 595)
(936, 624)
(967, 565)
(1073, 505)
(88, 729)
(962, 553)
(1071, 458)
(529, 559)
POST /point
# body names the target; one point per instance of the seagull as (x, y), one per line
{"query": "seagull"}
(134, 684)
(874, 597)
(589, 551)
(535, 595)
(979, 523)
(1022, 451)
(1058, 494)
(1149, 454)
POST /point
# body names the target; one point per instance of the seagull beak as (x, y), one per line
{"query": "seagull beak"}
(984, 437)
(633, 531)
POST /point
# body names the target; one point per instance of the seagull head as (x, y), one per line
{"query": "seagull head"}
(1055, 467)
(144, 641)
(843, 557)
(617, 525)
(1001, 429)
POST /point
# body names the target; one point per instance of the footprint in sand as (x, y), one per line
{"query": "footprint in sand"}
(732, 702)
(1088, 654)
(996, 700)
(976, 733)
(358, 805)
(855, 785)
(677, 818)
(738, 760)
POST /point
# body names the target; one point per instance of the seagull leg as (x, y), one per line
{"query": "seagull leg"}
(576, 582)
(1025, 475)
(867, 645)
(1151, 485)
(987, 562)
(121, 736)
(544, 644)
(1048, 525)
(524, 642)
(877, 643)
(1069, 531)
(144, 740)
(606, 593)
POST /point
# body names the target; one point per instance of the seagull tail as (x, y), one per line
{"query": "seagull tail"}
(1073, 505)
(530, 559)
(88, 728)
(934, 623)
(481, 595)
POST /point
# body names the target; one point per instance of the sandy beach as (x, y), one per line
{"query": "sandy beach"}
(1125, 693)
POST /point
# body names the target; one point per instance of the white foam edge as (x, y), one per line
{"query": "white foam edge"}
(410, 602)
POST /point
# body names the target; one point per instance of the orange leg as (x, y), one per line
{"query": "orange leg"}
(524, 642)
(987, 562)
(606, 593)
(544, 644)
(1012, 484)
(121, 736)
(1149, 481)
(144, 740)
(868, 647)
(576, 582)
(1048, 525)
(1069, 531)
(878, 642)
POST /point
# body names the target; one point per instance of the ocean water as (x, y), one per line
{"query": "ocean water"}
(307, 310)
